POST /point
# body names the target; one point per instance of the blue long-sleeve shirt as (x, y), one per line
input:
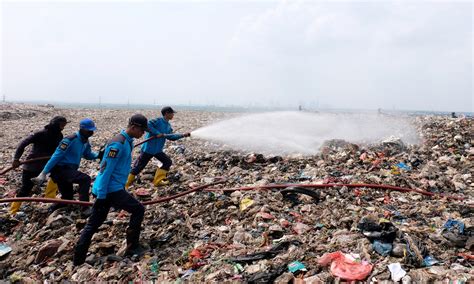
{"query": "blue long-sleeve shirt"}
(158, 126)
(70, 151)
(115, 166)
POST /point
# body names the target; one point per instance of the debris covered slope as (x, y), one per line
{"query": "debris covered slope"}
(258, 235)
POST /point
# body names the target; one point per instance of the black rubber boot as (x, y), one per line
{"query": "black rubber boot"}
(137, 250)
(133, 245)
(80, 254)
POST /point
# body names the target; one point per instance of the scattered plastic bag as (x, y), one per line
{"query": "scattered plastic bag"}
(188, 273)
(238, 268)
(457, 235)
(296, 266)
(451, 225)
(383, 230)
(154, 267)
(466, 256)
(403, 166)
(245, 203)
(4, 249)
(395, 171)
(346, 266)
(381, 248)
(300, 228)
(429, 261)
(195, 253)
(142, 192)
(396, 271)
(265, 215)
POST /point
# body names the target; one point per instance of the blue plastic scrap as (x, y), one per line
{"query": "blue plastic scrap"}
(453, 224)
(188, 273)
(383, 249)
(429, 261)
(296, 266)
(403, 166)
(319, 226)
(4, 249)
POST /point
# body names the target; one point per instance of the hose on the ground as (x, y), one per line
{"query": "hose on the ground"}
(357, 185)
(85, 203)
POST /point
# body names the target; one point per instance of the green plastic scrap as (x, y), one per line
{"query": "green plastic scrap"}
(238, 268)
(15, 278)
(212, 196)
(296, 266)
(186, 253)
(155, 267)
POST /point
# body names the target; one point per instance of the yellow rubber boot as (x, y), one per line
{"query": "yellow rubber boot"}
(14, 207)
(131, 178)
(51, 189)
(160, 178)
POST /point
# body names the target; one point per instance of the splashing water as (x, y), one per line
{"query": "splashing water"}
(304, 132)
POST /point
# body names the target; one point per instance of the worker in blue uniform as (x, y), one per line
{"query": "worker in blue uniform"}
(109, 189)
(64, 164)
(160, 128)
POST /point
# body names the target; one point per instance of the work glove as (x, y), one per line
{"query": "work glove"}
(15, 164)
(187, 134)
(101, 203)
(39, 180)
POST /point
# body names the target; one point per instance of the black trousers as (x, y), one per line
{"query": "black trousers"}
(142, 160)
(26, 183)
(66, 176)
(120, 200)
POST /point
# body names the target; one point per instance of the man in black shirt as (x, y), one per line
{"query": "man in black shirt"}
(44, 144)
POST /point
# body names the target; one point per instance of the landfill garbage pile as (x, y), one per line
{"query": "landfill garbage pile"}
(263, 235)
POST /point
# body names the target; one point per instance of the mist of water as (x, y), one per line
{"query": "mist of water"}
(303, 132)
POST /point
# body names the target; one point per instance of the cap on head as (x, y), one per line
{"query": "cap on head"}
(139, 120)
(167, 109)
(87, 124)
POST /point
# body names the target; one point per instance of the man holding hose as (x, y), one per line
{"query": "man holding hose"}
(64, 164)
(110, 192)
(160, 128)
(44, 143)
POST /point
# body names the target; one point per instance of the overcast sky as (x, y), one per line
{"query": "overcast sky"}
(403, 55)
